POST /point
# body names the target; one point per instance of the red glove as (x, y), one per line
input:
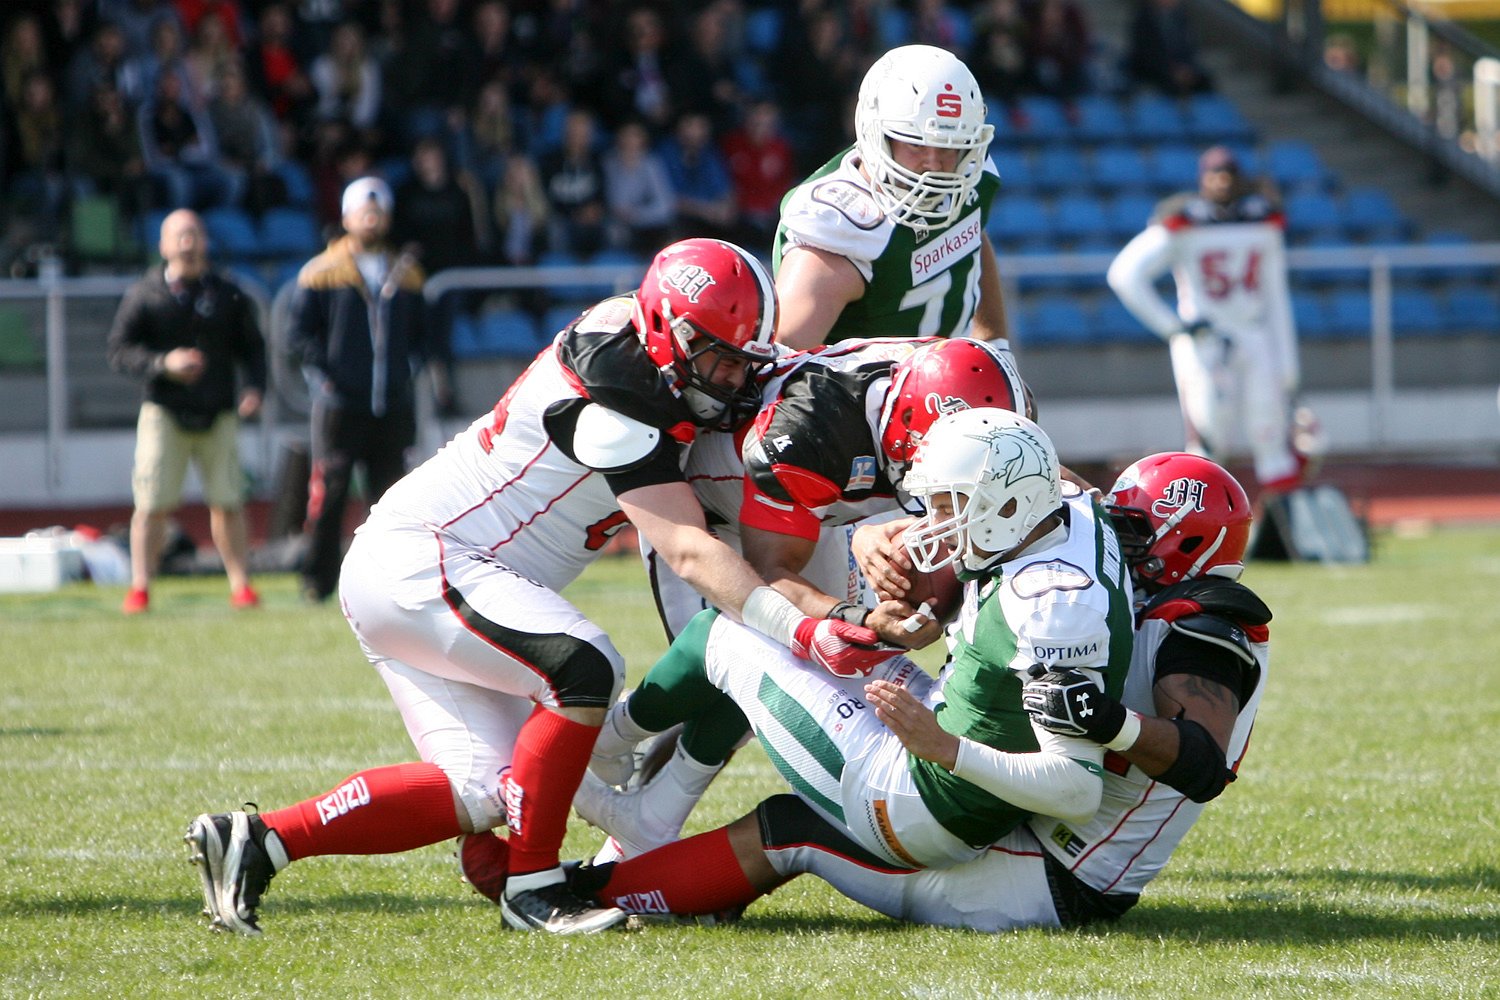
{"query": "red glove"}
(842, 649)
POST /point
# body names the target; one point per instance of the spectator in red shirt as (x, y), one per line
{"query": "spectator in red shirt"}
(762, 166)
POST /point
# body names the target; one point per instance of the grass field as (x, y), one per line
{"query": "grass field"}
(1358, 856)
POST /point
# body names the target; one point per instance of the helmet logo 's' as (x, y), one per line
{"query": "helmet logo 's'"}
(943, 405)
(689, 279)
(949, 104)
(1178, 494)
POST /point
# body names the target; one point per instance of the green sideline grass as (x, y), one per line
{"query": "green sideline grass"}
(1356, 857)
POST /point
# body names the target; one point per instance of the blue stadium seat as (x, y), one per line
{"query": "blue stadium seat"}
(558, 316)
(1129, 213)
(1014, 168)
(1113, 323)
(1079, 216)
(1309, 314)
(463, 338)
(1059, 168)
(1154, 118)
(1045, 119)
(288, 232)
(1018, 219)
(1174, 168)
(1471, 308)
(1371, 215)
(1483, 273)
(1053, 320)
(299, 185)
(1324, 276)
(762, 30)
(629, 262)
(1120, 168)
(1348, 314)
(1213, 118)
(148, 229)
(1100, 119)
(507, 333)
(231, 232)
(1295, 165)
(1312, 211)
(894, 27)
(1415, 312)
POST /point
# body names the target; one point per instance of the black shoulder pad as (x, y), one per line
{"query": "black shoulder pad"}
(1217, 630)
(1217, 595)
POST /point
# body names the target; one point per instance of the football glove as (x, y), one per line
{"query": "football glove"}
(842, 649)
(1065, 701)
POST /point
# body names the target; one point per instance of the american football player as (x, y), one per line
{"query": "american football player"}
(1173, 739)
(888, 239)
(453, 589)
(835, 434)
(1045, 584)
(1232, 340)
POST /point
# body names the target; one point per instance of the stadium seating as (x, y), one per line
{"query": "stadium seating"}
(1112, 322)
(1174, 168)
(1213, 118)
(1079, 217)
(1348, 315)
(1100, 119)
(1128, 215)
(288, 232)
(1016, 219)
(1120, 168)
(231, 233)
(1295, 165)
(1154, 118)
(1471, 308)
(504, 333)
(1415, 312)
(1309, 212)
(1059, 168)
(1054, 319)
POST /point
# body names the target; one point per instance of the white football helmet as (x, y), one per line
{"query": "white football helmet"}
(999, 473)
(923, 95)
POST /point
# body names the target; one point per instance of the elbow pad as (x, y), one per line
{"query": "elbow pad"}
(1199, 772)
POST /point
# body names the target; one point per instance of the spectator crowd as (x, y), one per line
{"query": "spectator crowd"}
(509, 129)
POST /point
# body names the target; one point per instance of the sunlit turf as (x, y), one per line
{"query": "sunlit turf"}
(1355, 857)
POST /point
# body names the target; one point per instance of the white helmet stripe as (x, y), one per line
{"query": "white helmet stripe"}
(768, 303)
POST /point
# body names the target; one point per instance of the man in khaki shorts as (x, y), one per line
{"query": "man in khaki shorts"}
(184, 329)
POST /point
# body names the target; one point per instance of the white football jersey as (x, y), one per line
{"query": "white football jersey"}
(1140, 821)
(505, 488)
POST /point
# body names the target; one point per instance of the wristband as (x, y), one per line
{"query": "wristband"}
(771, 614)
(854, 614)
(1128, 734)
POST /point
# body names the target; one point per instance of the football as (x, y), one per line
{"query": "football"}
(940, 590)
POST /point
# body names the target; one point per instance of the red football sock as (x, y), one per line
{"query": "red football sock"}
(696, 875)
(551, 755)
(385, 810)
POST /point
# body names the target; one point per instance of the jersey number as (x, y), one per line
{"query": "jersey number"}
(601, 531)
(1219, 283)
(931, 295)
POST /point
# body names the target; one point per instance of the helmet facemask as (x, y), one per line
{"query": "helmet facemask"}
(714, 406)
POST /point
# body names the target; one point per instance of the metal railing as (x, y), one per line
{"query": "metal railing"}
(1418, 84)
(286, 404)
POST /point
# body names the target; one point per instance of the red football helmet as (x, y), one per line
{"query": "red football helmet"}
(944, 377)
(708, 297)
(1180, 516)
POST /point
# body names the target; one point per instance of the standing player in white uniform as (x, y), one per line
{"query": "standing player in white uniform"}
(888, 238)
(1044, 584)
(452, 588)
(1174, 739)
(1232, 340)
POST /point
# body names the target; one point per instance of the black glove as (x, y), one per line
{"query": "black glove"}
(1067, 702)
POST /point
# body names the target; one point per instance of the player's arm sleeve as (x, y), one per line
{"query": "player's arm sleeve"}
(1064, 778)
(1133, 275)
(989, 319)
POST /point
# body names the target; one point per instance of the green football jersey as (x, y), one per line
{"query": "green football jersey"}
(918, 282)
(1068, 604)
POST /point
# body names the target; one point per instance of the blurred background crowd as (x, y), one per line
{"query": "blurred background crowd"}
(509, 129)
